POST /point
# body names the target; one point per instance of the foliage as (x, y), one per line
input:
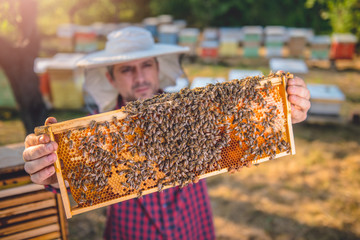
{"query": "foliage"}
(245, 12)
(53, 12)
(9, 18)
(324, 16)
(343, 15)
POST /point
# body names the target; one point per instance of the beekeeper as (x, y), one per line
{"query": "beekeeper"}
(133, 67)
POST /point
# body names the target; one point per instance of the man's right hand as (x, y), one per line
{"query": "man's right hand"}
(39, 156)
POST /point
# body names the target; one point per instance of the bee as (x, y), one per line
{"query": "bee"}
(71, 144)
(107, 124)
(92, 124)
(81, 201)
(160, 186)
(68, 134)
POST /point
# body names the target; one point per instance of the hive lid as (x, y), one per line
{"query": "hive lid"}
(169, 28)
(252, 30)
(344, 38)
(240, 73)
(11, 156)
(321, 39)
(151, 21)
(180, 23)
(235, 32)
(297, 32)
(288, 65)
(189, 32)
(210, 33)
(41, 64)
(164, 19)
(275, 30)
(325, 92)
(66, 30)
(210, 44)
(203, 81)
(65, 61)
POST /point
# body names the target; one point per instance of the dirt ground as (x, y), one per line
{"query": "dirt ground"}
(312, 195)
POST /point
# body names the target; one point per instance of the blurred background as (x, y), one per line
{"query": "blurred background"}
(312, 195)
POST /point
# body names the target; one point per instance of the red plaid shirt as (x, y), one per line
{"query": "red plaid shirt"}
(175, 213)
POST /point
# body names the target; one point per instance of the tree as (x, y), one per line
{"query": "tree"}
(17, 60)
(219, 13)
(343, 15)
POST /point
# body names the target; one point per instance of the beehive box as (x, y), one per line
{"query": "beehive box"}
(168, 34)
(66, 81)
(85, 39)
(210, 49)
(326, 100)
(297, 42)
(171, 139)
(189, 36)
(228, 47)
(343, 46)
(27, 210)
(65, 35)
(253, 34)
(251, 49)
(320, 47)
(151, 24)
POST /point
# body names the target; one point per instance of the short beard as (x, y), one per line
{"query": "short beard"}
(131, 98)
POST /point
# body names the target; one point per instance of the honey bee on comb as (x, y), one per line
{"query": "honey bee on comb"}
(174, 139)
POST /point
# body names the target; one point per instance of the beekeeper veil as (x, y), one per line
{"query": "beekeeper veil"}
(127, 44)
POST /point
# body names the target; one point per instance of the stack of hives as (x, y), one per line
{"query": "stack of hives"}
(189, 37)
(151, 24)
(210, 44)
(297, 40)
(168, 34)
(172, 139)
(274, 40)
(253, 36)
(343, 45)
(320, 47)
(65, 34)
(85, 39)
(65, 81)
(229, 41)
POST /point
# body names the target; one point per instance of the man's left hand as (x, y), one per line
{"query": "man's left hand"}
(299, 97)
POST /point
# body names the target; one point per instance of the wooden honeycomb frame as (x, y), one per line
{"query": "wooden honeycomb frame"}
(229, 154)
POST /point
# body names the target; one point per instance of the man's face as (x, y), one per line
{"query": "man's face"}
(138, 79)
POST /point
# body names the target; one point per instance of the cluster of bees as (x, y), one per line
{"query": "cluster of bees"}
(180, 135)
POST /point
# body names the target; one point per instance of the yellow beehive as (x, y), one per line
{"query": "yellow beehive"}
(171, 139)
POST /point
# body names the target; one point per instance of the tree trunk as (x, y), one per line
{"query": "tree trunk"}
(18, 65)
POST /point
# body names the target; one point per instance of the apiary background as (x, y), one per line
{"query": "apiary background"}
(312, 195)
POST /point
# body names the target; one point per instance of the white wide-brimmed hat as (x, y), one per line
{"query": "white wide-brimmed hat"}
(125, 45)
